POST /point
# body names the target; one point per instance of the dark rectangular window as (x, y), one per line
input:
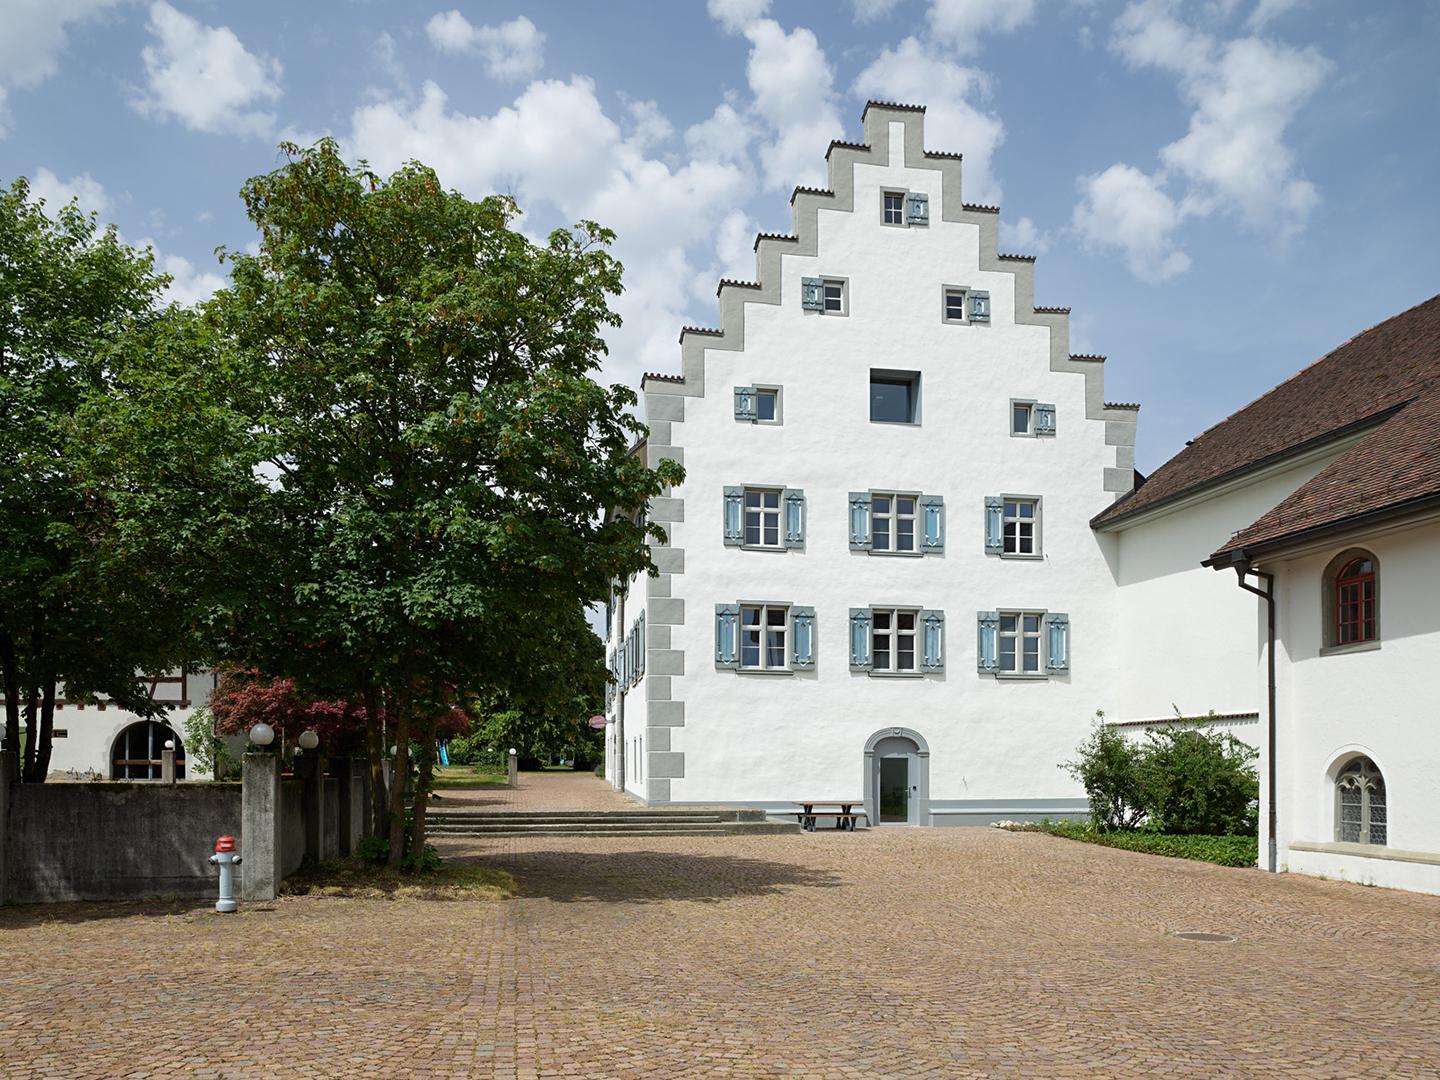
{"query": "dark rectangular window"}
(765, 404)
(894, 208)
(894, 398)
(954, 305)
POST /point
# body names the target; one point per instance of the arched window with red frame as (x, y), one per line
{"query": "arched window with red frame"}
(1355, 601)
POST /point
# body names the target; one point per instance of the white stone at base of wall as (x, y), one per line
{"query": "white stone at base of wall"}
(1387, 872)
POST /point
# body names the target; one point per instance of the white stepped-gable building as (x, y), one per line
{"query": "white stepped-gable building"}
(881, 581)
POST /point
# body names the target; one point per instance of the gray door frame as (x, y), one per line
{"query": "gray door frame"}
(919, 800)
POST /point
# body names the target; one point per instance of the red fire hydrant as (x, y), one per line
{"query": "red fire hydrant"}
(226, 858)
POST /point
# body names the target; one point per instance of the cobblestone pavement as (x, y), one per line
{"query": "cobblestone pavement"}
(881, 953)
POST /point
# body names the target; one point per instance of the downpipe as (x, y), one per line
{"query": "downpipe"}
(1242, 570)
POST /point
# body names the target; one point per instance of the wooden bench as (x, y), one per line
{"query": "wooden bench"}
(840, 809)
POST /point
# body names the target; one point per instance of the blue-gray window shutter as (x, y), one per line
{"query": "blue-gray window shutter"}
(1044, 419)
(1057, 641)
(994, 525)
(733, 524)
(987, 647)
(794, 500)
(979, 302)
(727, 635)
(860, 521)
(917, 208)
(812, 293)
(802, 637)
(860, 639)
(932, 630)
(746, 403)
(640, 645)
(932, 523)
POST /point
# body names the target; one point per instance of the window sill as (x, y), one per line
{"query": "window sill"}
(765, 547)
(762, 671)
(1367, 851)
(1022, 676)
(895, 554)
(896, 423)
(1354, 646)
(1037, 557)
(896, 674)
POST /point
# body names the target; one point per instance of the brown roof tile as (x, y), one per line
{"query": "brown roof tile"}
(1363, 381)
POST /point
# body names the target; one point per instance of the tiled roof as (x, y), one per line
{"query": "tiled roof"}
(1051, 310)
(944, 154)
(842, 144)
(1122, 405)
(980, 208)
(789, 238)
(801, 189)
(661, 378)
(710, 331)
(1095, 357)
(736, 283)
(1017, 258)
(1362, 382)
(872, 103)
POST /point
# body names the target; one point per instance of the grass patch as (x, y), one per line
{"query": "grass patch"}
(357, 880)
(1221, 850)
(456, 776)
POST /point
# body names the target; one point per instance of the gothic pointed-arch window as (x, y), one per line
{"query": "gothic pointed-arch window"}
(1352, 599)
(1360, 810)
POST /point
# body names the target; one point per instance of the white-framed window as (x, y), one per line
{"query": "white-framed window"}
(892, 639)
(762, 637)
(1021, 526)
(835, 296)
(1022, 417)
(762, 517)
(892, 208)
(952, 305)
(892, 523)
(1020, 642)
(767, 404)
(1360, 812)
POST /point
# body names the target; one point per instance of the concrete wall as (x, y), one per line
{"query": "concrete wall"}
(1382, 702)
(994, 744)
(116, 841)
(292, 826)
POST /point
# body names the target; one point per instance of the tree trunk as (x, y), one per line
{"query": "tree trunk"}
(425, 758)
(47, 731)
(375, 753)
(32, 733)
(399, 780)
(10, 672)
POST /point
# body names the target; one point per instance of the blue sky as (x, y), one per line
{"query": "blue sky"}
(1222, 190)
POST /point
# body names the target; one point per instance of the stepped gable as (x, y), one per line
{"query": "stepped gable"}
(842, 157)
(1362, 383)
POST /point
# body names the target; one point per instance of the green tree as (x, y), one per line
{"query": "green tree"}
(1109, 766)
(442, 455)
(1199, 781)
(81, 605)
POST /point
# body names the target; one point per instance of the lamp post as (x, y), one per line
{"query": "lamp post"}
(512, 773)
(261, 736)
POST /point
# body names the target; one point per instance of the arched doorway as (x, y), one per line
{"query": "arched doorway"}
(136, 753)
(897, 778)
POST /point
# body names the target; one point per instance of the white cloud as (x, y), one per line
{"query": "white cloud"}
(1267, 11)
(1233, 160)
(557, 149)
(867, 11)
(205, 78)
(794, 97)
(917, 73)
(725, 136)
(513, 51)
(189, 284)
(55, 193)
(735, 15)
(35, 34)
(959, 24)
(1124, 210)
(1024, 237)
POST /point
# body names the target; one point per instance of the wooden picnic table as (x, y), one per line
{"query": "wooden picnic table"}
(840, 809)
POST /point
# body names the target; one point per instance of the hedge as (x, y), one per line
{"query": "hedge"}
(1221, 850)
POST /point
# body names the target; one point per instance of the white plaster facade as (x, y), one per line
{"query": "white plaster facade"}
(696, 733)
(1380, 700)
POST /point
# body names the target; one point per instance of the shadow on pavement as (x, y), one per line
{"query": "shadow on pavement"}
(647, 877)
(25, 915)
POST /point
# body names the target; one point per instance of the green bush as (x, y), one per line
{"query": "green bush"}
(374, 850)
(1221, 850)
(1182, 780)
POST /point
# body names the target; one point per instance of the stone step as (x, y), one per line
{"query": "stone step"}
(723, 828)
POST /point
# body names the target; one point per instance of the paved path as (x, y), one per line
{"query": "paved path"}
(943, 953)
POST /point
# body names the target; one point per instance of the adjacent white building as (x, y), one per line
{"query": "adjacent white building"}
(910, 559)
